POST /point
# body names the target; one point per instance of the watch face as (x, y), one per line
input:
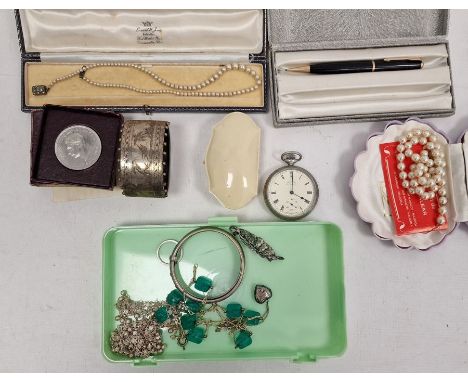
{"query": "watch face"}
(291, 192)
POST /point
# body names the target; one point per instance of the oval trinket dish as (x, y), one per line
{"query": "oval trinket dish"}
(232, 160)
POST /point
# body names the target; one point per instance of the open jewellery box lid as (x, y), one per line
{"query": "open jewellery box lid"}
(294, 29)
(306, 320)
(156, 35)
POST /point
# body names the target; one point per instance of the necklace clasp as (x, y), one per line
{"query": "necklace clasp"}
(83, 71)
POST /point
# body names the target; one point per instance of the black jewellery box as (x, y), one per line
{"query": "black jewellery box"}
(179, 60)
(298, 37)
(75, 148)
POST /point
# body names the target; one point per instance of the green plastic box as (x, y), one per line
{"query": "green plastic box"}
(307, 310)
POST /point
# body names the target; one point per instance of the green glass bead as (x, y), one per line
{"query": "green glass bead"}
(174, 297)
(233, 310)
(249, 314)
(203, 284)
(243, 339)
(161, 314)
(188, 321)
(194, 306)
(196, 335)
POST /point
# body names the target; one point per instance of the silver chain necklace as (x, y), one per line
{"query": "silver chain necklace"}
(195, 90)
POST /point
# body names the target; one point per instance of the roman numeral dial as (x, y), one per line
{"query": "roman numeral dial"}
(291, 192)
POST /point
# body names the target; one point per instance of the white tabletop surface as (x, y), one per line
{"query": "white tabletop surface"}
(406, 310)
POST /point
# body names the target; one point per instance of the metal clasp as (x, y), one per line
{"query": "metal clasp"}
(83, 71)
(147, 109)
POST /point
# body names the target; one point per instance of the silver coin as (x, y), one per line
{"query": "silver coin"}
(78, 147)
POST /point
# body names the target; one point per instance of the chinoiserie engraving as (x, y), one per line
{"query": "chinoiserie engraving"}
(144, 154)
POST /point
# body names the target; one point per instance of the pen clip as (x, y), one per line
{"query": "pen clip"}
(406, 58)
(403, 58)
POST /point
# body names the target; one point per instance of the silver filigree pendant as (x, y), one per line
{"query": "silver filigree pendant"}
(255, 243)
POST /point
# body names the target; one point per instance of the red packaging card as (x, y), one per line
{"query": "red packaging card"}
(410, 213)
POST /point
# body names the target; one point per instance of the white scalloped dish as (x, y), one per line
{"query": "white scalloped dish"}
(368, 187)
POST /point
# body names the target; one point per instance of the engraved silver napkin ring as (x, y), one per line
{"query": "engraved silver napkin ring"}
(143, 159)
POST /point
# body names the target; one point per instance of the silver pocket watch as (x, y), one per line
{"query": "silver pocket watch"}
(291, 192)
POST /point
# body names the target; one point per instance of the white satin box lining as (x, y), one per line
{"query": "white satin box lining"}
(304, 95)
(134, 31)
(166, 58)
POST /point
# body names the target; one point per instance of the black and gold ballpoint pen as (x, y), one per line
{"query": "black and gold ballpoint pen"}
(358, 66)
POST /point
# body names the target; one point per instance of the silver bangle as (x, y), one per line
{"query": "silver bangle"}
(174, 259)
(143, 165)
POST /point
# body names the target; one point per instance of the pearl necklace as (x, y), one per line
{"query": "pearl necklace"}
(426, 177)
(171, 88)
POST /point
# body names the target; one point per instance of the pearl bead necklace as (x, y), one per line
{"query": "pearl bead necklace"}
(426, 177)
(171, 88)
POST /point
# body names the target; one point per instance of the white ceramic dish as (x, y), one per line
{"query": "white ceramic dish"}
(232, 160)
(368, 188)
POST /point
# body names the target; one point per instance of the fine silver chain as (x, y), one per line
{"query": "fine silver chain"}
(194, 90)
